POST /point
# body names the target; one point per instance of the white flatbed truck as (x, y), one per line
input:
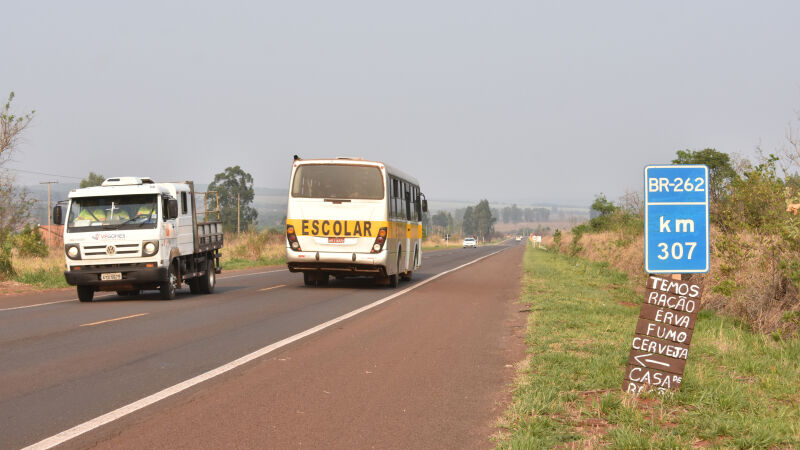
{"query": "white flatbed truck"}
(132, 234)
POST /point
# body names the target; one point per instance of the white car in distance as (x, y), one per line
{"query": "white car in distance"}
(470, 242)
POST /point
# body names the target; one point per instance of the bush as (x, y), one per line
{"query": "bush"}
(29, 242)
(6, 268)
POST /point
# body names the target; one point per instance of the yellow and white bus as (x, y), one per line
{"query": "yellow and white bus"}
(351, 217)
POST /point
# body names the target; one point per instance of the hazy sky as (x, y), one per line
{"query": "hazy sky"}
(510, 101)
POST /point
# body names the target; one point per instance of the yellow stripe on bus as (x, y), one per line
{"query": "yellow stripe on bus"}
(338, 228)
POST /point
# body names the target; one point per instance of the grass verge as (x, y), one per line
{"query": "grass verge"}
(42, 272)
(238, 263)
(740, 389)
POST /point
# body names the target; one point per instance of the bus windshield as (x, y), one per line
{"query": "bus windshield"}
(114, 212)
(338, 181)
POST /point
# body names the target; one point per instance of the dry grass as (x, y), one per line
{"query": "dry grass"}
(54, 261)
(253, 248)
(435, 241)
(745, 280)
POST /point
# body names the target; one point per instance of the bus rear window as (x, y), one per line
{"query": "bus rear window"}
(338, 181)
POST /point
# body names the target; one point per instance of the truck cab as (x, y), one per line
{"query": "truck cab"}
(131, 234)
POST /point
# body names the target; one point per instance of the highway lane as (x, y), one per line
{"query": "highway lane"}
(65, 363)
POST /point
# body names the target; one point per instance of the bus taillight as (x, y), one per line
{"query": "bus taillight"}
(379, 241)
(292, 238)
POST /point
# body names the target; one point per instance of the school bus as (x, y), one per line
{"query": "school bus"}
(350, 217)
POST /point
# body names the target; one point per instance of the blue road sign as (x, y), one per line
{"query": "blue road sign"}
(676, 219)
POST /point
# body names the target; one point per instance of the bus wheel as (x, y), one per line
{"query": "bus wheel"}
(393, 280)
(315, 279)
(85, 293)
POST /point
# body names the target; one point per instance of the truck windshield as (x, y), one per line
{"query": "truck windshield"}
(117, 212)
(338, 181)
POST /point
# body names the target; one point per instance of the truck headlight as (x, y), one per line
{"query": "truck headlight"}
(149, 248)
(73, 252)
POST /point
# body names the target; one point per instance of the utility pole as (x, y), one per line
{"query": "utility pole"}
(238, 211)
(48, 183)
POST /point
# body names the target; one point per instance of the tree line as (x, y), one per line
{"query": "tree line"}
(515, 214)
(475, 221)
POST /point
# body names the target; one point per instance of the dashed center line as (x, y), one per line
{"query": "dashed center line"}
(114, 320)
(272, 287)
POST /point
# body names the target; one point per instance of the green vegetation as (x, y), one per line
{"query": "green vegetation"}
(29, 242)
(740, 388)
(6, 264)
(755, 242)
(239, 263)
(94, 179)
(16, 203)
(236, 193)
(43, 278)
(254, 249)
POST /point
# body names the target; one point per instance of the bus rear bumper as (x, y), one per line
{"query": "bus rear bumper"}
(337, 263)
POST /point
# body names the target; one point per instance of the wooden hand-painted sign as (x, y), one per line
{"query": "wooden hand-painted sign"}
(660, 345)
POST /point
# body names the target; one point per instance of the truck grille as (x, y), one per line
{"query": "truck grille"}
(111, 250)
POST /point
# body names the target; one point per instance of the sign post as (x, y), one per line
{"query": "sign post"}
(676, 241)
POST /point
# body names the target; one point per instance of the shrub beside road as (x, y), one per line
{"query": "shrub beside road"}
(740, 388)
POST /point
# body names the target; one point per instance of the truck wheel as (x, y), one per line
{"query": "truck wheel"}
(194, 285)
(169, 287)
(85, 293)
(209, 279)
(307, 279)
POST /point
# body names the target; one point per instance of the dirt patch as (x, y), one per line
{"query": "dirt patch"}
(15, 287)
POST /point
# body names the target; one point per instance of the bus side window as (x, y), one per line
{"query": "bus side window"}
(415, 197)
(407, 200)
(395, 198)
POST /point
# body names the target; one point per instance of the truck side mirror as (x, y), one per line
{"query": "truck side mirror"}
(425, 206)
(172, 209)
(58, 215)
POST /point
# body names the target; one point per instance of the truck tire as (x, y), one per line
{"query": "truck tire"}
(194, 285)
(169, 287)
(85, 293)
(209, 279)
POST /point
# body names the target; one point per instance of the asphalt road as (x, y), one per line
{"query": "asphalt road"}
(63, 363)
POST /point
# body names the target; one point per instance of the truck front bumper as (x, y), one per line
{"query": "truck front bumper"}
(133, 275)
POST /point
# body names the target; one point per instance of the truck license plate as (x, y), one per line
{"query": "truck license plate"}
(111, 276)
(335, 240)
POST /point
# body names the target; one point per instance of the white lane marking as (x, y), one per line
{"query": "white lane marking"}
(251, 274)
(51, 303)
(272, 287)
(101, 296)
(114, 320)
(109, 417)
